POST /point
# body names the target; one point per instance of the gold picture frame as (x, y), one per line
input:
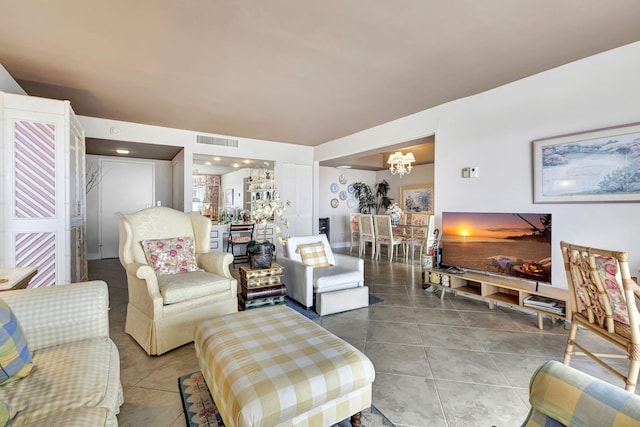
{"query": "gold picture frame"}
(417, 198)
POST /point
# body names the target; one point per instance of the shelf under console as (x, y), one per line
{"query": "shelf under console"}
(539, 298)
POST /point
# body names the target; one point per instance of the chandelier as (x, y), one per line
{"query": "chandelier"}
(400, 163)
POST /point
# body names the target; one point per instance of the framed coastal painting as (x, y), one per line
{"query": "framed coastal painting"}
(597, 166)
(417, 198)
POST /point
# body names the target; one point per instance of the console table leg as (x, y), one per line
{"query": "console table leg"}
(355, 419)
(540, 321)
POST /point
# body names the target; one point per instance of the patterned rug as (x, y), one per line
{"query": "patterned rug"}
(309, 313)
(200, 410)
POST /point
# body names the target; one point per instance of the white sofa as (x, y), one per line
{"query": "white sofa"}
(163, 310)
(339, 287)
(75, 380)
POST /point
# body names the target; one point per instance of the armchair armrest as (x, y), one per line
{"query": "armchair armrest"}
(349, 261)
(216, 263)
(61, 314)
(142, 284)
(298, 279)
(556, 392)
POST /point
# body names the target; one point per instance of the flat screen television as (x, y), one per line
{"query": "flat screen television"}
(509, 244)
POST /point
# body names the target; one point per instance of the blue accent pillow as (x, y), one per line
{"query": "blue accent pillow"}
(15, 357)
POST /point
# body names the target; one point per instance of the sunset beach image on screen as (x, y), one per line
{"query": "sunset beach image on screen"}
(510, 244)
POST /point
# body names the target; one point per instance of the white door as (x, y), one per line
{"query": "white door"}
(127, 187)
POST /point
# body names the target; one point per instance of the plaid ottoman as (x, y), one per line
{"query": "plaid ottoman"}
(274, 367)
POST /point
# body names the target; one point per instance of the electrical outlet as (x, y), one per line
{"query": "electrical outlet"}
(473, 172)
(466, 172)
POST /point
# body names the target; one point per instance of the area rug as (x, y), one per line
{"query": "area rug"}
(309, 313)
(200, 410)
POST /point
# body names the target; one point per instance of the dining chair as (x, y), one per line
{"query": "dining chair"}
(602, 301)
(239, 236)
(366, 234)
(384, 236)
(422, 226)
(354, 227)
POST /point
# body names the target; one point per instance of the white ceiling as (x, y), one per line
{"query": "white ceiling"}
(303, 72)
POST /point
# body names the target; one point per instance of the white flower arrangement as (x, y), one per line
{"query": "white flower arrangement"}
(394, 209)
(265, 210)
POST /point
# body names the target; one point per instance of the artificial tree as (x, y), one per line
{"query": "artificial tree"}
(368, 203)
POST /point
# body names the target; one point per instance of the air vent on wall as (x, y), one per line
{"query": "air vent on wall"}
(214, 140)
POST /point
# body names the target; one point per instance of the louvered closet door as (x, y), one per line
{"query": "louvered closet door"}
(35, 209)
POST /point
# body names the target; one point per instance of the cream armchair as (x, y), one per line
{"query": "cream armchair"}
(164, 309)
(335, 285)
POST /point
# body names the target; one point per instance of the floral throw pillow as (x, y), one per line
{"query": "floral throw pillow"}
(171, 256)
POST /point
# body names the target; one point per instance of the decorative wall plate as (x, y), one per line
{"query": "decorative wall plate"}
(351, 189)
(334, 188)
(342, 179)
(351, 203)
(343, 195)
(334, 203)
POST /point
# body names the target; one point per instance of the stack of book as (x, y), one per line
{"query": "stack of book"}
(546, 304)
(261, 287)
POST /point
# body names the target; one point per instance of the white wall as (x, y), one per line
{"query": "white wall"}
(163, 193)
(8, 84)
(234, 181)
(272, 151)
(178, 184)
(421, 174)
(493, 132)
(339, 217)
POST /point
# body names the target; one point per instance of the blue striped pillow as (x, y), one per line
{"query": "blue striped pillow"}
(15, 357)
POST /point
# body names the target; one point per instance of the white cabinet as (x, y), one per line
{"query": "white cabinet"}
(217, 237)
(42, 196)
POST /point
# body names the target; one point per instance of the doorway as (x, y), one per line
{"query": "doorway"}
(125, 186)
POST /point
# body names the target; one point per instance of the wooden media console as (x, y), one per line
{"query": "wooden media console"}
(496, 289)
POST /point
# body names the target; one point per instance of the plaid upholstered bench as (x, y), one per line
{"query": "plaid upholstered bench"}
(274, 367)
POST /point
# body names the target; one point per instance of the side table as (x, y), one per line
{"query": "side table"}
(16, 278)
(261, 287)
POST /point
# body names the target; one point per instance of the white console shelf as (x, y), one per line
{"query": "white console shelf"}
(496, 289)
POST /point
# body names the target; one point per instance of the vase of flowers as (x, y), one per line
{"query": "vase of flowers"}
(394, 212)
(261, 253)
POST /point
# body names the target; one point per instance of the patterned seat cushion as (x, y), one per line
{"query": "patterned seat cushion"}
(270, 365)
(81, 374)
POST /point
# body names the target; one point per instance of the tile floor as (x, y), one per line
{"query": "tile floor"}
(438, 363)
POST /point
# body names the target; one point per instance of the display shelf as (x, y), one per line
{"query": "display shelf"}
(496, 289)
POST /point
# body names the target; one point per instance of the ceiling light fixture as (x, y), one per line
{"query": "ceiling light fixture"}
(400, 163)
(122, 151)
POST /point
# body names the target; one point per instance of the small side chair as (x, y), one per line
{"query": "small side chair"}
(239, 236)
(603, 302)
